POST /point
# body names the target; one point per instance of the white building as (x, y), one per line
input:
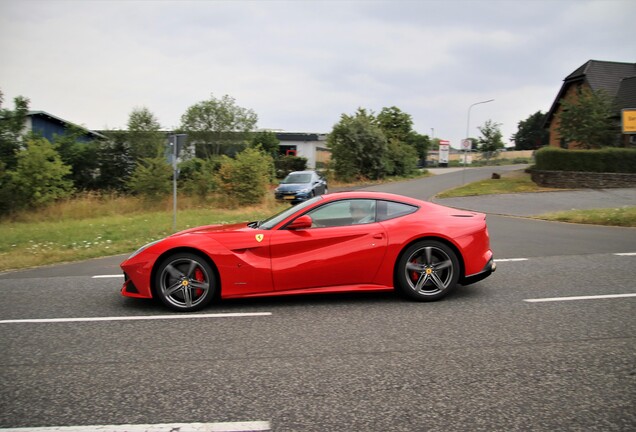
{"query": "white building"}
(312, 146)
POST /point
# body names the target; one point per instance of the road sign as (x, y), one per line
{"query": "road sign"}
(629, 121)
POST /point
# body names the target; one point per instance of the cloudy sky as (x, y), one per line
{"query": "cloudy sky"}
(301, 64)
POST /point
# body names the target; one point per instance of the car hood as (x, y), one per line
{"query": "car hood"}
(290, 187)
(212, 229)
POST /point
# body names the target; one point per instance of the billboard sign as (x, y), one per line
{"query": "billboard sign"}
(444, 150)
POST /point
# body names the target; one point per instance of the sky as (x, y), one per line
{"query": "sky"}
(299, 65)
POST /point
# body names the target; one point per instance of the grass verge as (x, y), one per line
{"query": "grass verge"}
(625, 216)
(511, 182)
(519, 182)
(92, 227)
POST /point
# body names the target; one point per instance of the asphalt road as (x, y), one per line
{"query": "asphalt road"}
(485, 358)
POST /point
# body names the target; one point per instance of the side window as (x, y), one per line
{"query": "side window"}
(391, 210)
(344, 213)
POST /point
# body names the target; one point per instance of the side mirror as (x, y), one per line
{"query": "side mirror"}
(300, 223)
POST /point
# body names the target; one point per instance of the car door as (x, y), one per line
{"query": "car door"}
(337, 250)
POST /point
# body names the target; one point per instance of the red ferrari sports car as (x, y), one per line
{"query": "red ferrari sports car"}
(340, 242)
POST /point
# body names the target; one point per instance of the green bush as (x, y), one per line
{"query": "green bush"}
(400, 160)
(152, 179)
(40, 176)
(611, 160)
(196, 176)
(245, 179)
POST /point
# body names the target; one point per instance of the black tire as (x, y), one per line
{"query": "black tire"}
(427, 271)
(185, 282)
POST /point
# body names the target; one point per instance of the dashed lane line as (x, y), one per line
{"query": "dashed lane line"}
(573, 298)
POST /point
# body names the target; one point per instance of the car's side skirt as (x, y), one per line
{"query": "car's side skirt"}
(319, 290)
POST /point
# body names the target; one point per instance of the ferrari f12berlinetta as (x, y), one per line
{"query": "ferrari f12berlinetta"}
(340, 242)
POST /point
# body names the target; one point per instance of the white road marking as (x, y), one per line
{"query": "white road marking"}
(108, 276)
(136, 318)
(247, 426)
(511, 259)
(626, 254)
(595, 297)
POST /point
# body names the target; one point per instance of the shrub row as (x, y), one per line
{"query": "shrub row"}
(609, 160)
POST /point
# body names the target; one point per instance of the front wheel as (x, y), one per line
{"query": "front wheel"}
(185, 282)
(427, 271)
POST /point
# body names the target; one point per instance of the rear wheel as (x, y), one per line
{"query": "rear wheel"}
(428, 270)
(185, 282)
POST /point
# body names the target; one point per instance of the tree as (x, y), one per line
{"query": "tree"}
(267, 141)
(491, 140)
(218, 126)
(586, 120)
(196, 176)
(7, 190)
(144, 136)
(420, 143)
(358, 146)
(398, 125)
(401, 159)
(531, 134)
(245, 179)
(395, 124)
(115, 165)
(80, 155)
(40, 175)
(11, 130)
(152, 178)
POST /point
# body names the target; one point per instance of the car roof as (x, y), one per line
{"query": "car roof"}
(371, 195)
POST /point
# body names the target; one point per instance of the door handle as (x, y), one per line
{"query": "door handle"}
(378, 236)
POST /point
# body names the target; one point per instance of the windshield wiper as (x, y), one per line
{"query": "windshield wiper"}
(254, 224)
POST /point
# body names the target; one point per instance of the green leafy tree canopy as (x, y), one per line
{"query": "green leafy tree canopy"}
(395, 123)
(11, 129)
(267, 141)
(586, 120)
(531, 134)
(245, 179)
(218, 126)
(152, 178)
(358, 147)
(490, 142)
(144, 134)
(40, 174)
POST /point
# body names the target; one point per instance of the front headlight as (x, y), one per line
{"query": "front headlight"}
(141, 249)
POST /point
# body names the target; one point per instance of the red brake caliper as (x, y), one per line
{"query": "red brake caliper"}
(199, 277)
(415, 276)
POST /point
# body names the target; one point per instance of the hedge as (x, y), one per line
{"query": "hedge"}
(609, 160)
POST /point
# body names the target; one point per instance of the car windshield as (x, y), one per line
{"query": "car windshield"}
(297, 178)
(270, 223)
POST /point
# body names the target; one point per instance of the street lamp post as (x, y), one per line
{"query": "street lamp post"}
(468, 131)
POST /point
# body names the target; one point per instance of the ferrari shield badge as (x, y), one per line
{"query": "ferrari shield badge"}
(259, 237)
